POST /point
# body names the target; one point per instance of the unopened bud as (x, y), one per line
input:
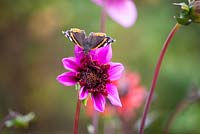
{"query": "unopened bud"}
(195, 11)
(189, 12)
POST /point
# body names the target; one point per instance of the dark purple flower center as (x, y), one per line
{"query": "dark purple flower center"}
(93, 76)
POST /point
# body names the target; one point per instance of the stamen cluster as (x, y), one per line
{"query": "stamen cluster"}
(93, 76)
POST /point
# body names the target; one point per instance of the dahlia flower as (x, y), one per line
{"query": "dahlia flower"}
(95, 73)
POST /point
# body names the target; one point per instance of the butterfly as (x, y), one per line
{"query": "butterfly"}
(93, 41)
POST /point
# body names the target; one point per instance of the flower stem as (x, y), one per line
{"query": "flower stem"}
(76, 118)
(155, 76)
(103, 19)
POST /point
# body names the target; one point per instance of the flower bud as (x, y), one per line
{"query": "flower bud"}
(189, 12)
(195, 11)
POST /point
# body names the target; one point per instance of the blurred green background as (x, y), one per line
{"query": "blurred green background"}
(32, 46)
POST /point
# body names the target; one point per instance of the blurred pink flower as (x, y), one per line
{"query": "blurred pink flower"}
(95, 73)
(132, 94)
(122, 11)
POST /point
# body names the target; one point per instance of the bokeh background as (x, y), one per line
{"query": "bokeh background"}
(32, 46)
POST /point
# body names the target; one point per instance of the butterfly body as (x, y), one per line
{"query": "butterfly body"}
(93, 41)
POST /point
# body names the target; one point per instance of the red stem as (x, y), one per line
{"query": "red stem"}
(76, 119)
(155, 77)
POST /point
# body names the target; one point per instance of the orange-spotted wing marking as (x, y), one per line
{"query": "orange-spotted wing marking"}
(97, 40)
(76, 35)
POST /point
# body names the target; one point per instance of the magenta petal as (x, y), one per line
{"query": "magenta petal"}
(103, 54)
(122, 11)
(113, 95)
(115, 71)
(98, 102)
(79, 53)
(67, 78)
(70, 63)
(83, 93)
(98, 2)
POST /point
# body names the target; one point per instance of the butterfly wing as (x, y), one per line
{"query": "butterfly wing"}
(76, 35)
(97, 40)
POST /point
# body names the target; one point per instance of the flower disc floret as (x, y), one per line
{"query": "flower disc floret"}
(93, 76)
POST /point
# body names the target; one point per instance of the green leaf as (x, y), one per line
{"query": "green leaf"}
(20, 120)
(77, 87)
(85, 101)
(183, 5)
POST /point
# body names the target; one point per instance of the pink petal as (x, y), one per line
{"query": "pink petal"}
(98, 102)
(67, 78)
(122, 11)
(103, 54)
(115, 71)
(79, 53)
(70, 63)
(113, 95)
(83, 93)
(98, 2)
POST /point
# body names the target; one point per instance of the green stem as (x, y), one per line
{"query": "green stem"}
(155, 77)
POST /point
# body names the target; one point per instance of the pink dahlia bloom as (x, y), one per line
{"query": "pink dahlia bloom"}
(94, 72)
(122, 11)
